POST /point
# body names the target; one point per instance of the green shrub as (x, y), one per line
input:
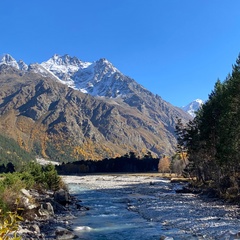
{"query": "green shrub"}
(28, 179)
(13, 181)
(10, 186)
(44, 177)
(36, 171)
(33, 176)
(51, 178)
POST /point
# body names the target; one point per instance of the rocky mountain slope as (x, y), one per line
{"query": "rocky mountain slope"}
(57, 120)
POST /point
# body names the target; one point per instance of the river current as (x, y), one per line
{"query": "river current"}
(129, 207)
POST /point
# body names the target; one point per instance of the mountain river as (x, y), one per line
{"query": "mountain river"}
(146, 207)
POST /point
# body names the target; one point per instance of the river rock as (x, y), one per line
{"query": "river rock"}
(82, 208)
(27, 204)
(48, 206)
(46, 210)
(64, 234)
(25, 193)
(34, 228)
(166, 238)
(62, 197)
(26, 200)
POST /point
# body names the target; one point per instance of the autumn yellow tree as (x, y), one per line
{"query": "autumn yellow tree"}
(164, 165)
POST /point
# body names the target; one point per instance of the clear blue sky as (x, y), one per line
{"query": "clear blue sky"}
(176, 49)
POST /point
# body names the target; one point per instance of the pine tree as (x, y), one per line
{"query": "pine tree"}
(212, 139)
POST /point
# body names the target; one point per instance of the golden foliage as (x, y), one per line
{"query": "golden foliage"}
(164, 164)
(92, 150)
(9, 226)
(39, 134)
(87, 150)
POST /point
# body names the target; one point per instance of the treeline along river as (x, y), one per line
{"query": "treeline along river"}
(144, 207)
(119, 164)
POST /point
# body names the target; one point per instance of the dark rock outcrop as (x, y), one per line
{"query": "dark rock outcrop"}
(62, 196)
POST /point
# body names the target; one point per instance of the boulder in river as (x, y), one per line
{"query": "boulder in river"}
(64, 234)
(166, 238)
(82, 208)
(62, 197)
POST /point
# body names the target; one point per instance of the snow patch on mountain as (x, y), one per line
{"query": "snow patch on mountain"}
(99, 78)
(193, 107)
(64, 67)
(22, 65)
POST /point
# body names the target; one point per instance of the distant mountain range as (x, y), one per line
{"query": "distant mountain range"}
(67, 107)
(97, 79)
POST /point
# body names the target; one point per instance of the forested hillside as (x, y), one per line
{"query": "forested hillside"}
(212, 139)
(11, 152)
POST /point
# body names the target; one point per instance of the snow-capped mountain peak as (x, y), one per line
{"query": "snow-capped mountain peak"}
(193, 107)
(64, 67)
(66, 61)
(10, 61)
(200, 101)
(22, 65)
(99, 78)
(105, 65)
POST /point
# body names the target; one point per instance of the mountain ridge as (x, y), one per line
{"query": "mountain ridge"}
(72, 65)
(123, 117)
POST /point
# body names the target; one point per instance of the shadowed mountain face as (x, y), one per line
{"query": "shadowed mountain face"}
(43, 114)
